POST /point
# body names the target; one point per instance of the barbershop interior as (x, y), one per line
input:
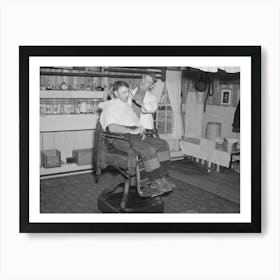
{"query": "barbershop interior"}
(187, 117)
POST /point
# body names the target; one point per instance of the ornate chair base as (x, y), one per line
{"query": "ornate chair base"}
(110, 202)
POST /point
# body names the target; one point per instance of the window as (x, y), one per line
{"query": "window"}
(163, 118)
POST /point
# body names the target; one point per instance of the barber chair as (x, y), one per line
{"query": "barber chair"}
(135, 195)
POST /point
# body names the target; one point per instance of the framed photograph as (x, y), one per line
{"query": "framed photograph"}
(122, 139)
(226, 97)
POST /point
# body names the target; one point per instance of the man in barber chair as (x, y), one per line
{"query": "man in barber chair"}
(118, 117)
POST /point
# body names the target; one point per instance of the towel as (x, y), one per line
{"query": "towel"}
(116, 111)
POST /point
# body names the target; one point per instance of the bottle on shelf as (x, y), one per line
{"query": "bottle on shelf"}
(77, 108)
(72, 109)
(42, 109)
(89, 108)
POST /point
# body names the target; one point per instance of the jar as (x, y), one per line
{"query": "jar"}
(72, 109)
(89, 108)
(48, 109)
(55, 109)
(77, 108)
(42, 109)
(83, 107)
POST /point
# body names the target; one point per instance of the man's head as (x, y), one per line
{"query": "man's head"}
(121, 90)
(148, 81)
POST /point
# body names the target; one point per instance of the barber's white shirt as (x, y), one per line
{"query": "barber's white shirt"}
(149, 107)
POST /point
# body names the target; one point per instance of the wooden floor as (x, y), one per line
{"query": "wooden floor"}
(225, 183)
(197, 191)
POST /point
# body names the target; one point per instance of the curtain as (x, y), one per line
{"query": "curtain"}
(173, 84)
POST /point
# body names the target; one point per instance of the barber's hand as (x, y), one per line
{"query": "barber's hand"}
(142, 134)
(138, 97)
(137, 101)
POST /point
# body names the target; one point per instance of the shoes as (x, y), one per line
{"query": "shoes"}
(161, 186)
(149, 191)
(167, 182)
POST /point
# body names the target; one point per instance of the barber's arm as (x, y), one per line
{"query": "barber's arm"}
(137, 96)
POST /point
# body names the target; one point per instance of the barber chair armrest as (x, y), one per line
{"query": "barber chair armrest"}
(113, 135)
(120, 136)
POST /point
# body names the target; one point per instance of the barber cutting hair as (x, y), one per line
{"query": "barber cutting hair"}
(143, 101)
(118, 116)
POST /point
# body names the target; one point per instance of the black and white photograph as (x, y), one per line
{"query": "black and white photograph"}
(162, 143)
(226, 96)
(139, 139)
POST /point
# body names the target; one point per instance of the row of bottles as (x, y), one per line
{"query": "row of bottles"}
(64, 86)
(68, 106)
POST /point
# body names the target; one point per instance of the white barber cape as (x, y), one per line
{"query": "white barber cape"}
(149, 106)
(116, 111)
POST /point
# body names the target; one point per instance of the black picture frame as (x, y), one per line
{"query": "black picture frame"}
(254, 52)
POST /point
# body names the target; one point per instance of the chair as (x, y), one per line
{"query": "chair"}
(136, 196)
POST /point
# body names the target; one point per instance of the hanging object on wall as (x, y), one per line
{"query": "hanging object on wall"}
(211, 87)
(199, 114)
(210, 92)
(236, 120)
(191, 115)
(200, 85)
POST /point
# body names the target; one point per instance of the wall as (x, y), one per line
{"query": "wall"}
(223, 115)
(139, 256)
(67, 141)
(215, 111)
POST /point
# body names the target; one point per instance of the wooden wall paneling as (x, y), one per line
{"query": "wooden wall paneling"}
(41, 141)
(89, 138)
(48, 140)
(68, 143)
(59, 143)
(79, 139)
(227, 115)
(41, 145)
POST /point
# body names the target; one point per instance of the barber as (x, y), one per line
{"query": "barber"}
(144, 102)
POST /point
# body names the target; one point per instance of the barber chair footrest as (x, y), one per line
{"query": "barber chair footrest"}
(110, 203)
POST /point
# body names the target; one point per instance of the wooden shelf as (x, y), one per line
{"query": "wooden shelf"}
(52, 123)
(71, 94)
(64, 168)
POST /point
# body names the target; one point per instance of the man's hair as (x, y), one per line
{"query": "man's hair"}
(152, 75)
(119, 84)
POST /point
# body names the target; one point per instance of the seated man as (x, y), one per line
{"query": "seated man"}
(118, 116)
